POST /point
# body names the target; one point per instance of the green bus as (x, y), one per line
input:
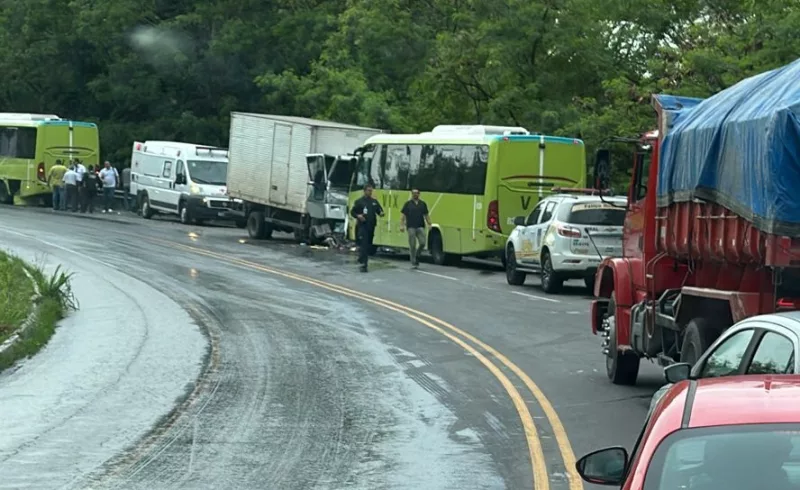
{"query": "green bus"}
(475, 180)
(30, 144)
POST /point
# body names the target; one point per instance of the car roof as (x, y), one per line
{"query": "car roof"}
(732, 400)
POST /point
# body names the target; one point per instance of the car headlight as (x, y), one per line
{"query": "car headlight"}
(194, 189)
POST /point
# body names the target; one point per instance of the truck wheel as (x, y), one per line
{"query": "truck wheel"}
(697, 338)
(147, 211)
(589, 282)
(513, 276)
(622, 367)
(551, 282)
(256, 225)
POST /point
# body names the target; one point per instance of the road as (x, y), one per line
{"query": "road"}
(322, 377)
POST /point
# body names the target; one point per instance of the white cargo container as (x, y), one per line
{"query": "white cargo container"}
(292, 173)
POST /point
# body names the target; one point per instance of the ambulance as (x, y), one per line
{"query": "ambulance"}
(183, 179)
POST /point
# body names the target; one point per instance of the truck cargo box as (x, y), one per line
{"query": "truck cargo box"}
(739, 149)
(267, 155)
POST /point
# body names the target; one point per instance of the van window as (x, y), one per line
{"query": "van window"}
(593, 214)
(167, 170)
(210, 172)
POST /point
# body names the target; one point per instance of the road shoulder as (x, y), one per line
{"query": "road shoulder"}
(112, 370)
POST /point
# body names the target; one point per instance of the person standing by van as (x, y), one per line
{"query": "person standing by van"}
(89, 190)
(366, 210)
(414, 216)
(110, 179)
(56, 180)
(71, 183)
(126, 188)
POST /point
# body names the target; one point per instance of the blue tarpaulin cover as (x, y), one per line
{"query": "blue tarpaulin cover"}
(739, 148)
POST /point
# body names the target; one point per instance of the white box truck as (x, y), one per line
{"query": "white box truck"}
(292, 173)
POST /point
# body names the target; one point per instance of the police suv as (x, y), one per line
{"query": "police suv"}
(566, 236)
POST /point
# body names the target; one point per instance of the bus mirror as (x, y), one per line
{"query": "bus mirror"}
(602, 169)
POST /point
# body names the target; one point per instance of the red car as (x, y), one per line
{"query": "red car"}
(731, 433)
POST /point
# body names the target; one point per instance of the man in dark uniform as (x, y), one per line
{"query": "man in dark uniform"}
(366, 210)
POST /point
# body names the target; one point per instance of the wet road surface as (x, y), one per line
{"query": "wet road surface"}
(313, 385)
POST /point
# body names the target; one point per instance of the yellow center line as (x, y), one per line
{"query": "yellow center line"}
(534, 443)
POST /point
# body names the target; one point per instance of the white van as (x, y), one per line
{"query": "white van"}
(184, 179)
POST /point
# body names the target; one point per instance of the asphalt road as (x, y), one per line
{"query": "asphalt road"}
(321, 377)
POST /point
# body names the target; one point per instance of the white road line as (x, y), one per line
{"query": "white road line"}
(438, 275)
(533, 296)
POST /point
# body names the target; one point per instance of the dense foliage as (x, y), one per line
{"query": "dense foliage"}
(176, 68)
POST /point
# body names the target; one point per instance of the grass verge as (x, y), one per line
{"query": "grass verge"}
(16, 294)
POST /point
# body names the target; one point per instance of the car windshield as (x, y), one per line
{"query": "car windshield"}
(208, 171)
(744, 457)
(596, 214)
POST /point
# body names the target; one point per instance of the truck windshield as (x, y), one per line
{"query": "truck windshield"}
(208, 171)
(729, 457)
(595, 214)
(341, 175)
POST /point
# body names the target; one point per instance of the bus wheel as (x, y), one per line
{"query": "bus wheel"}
(437, 249)
(5, 196)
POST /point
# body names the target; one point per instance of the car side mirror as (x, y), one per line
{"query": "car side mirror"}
(180, 179)
(675, 373)
(602, 169)
(519, 221)
(604, 467)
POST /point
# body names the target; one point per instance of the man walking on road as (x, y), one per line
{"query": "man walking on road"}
(71, 182)
(56, 180)
(414, 216)
(366, 210)
(110, 179)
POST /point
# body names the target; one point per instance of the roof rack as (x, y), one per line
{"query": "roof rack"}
(584, 191)
(479, 130)
(211, 151)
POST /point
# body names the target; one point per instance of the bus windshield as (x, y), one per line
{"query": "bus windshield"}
(208, 171)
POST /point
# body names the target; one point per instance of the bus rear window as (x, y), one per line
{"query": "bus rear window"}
(18, 143)
(595, 214)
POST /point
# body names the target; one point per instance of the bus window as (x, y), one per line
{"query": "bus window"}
(18, 143)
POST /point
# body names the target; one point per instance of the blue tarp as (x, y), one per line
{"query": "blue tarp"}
(739, 148)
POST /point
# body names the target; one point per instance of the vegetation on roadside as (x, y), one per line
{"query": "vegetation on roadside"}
(17, 302)
(175, 70)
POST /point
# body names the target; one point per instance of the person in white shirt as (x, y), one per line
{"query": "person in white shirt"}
(71, 184)
(110, 179)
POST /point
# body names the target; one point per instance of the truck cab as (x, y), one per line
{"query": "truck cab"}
(329, 179)
(690, 267)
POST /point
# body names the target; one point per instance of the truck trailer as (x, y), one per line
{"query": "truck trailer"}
(712, 226)
(292, 173)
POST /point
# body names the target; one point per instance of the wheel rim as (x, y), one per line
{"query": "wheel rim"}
(183, 214)
(611, 325)
(546, 273)
(146, 207)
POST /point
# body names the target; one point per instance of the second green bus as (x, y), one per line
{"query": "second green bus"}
(475, 180)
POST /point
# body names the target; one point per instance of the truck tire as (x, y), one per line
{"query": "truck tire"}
(551, 281)
(255, 225)
(513, 276)
(697, 338)
(589, 282)
(622, 367)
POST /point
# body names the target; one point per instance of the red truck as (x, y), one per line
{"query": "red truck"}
(712, 227)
